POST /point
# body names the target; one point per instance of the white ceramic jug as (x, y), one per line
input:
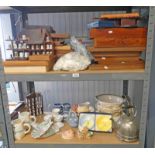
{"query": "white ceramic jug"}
(20, 129)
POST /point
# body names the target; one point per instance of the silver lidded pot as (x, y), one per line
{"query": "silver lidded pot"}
(126, 126)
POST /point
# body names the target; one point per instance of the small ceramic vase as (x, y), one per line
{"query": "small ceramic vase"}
(73, 119)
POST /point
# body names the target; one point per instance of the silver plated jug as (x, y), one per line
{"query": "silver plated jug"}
(126, 127)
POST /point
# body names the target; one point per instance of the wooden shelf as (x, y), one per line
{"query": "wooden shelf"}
(98, 138)
(94, 71)
(102, 71)
(108, 65)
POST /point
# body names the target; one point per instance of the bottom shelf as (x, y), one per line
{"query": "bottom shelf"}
(97, 139)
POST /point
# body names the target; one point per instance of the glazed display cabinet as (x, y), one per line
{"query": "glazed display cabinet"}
(140, 77)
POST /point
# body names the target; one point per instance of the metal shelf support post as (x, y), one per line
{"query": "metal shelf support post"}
(146, 84)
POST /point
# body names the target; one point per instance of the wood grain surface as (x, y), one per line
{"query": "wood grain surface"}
(116, 49)
(118, 42)
(64, 47)
(118, 32)
(120, 15)
(60, 35)
(26, 69)
(26, 63)
(118, 64)
(42, 57)
(116, 54)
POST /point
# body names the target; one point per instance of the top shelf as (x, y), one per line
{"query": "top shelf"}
(56, 9)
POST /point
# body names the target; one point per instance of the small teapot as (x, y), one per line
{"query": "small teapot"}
(73, 119)
(126, 126)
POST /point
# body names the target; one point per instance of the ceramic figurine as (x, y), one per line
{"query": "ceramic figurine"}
(68, 134)
(85, 133)
(74, 107)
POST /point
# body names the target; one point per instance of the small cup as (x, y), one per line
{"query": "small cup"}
(59, 106)
(58, 118)
(55, 111)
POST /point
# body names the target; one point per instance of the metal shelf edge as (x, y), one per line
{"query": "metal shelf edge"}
(77, 145)
(76, 77)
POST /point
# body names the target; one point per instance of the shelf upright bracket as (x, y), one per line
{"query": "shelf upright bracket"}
(3, 130)
(150, 135)
(125, 87)
(5, 107)
(29, 87)
(24, 20)
(146, 83)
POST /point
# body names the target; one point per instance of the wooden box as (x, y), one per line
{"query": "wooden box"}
(122, 63)
(128, 22)
(119, 42)
(120, 15)
(117, 49)
(118, 32)
(41, 57)
(63, 48)
(117, 60)
(60, 35)
(28, 66)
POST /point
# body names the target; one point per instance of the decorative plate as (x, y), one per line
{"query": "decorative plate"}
(40, 129)
(87, 120)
